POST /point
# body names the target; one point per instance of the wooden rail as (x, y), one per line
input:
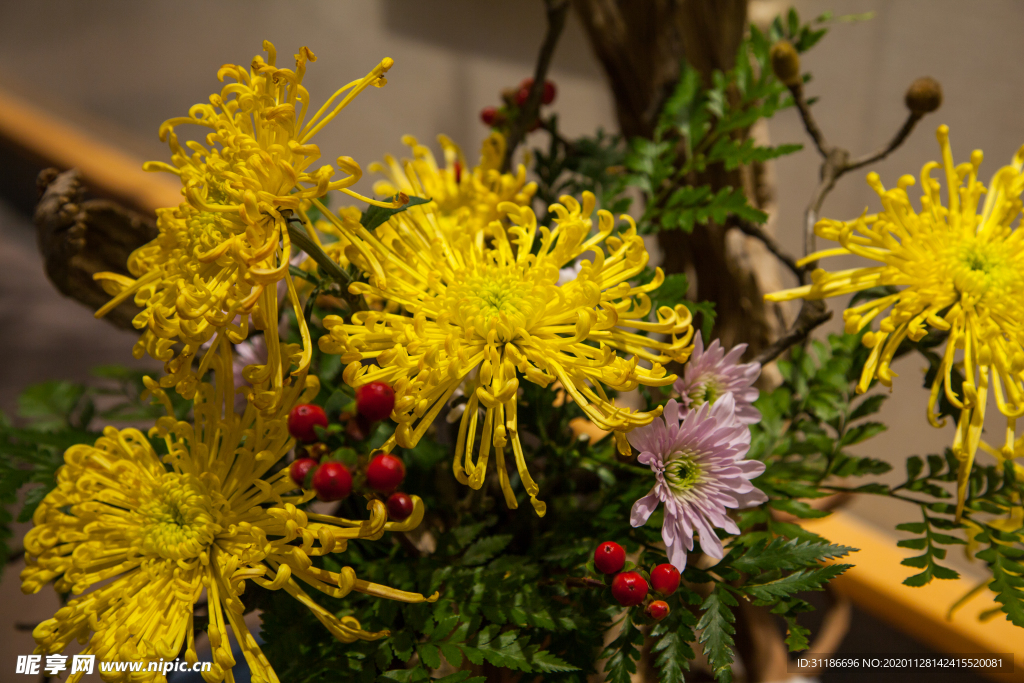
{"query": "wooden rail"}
(107, 170)
(875, 585)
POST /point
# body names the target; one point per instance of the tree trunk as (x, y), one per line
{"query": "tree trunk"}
(641, 46)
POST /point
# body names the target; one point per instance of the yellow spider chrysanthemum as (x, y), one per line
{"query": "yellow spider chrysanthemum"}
(960, 270)
(219, 255)
(143, 536)
(483, 307)
(462, 195)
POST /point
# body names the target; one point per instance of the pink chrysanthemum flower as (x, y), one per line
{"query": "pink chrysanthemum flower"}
(698, 458)
(713, 373)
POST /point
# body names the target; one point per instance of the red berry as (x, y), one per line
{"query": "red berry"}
(303, 418)
(522, 95)
(665, 579)
(332, 481)
(609, 557)
(489, 115)
(375, 400)
(385, 472)
(300, 468)
(629, 589)
(546, 98)
(399, 506)
(549, 93)
(658, 610)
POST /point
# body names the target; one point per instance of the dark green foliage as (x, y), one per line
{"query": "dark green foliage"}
(587, 164)
(1005, 559)
(57, 415)
(623, 652)
(780, 553)
(927, 543)
(700, 127)
(716, 627)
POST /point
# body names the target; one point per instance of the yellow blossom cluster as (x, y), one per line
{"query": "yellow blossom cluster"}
(219, 255)
(137, 538)
(462, 196)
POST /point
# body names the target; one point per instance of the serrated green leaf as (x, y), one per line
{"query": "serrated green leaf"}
(802, 580)
(784, 554)
(868, 406)
(716, 627)
(796, 635)
(452, 653)
(486, 548)
(862, 432)
(672, 637)
(430, 655)
(622, 653)
(689, 206)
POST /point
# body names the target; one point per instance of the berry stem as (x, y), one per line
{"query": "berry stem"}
(557, 11)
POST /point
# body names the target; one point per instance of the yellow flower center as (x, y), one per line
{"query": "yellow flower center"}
(177, 521)
(503, 299)
(977, 267)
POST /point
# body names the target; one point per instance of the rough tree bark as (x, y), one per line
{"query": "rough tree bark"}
(79, 238)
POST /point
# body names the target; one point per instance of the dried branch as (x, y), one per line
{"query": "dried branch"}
(923, 96)
(896, 141)
(813, 129)
(812, 314)
(557, 10)
(754, 230)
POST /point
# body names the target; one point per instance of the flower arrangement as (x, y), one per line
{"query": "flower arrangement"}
(348, 392)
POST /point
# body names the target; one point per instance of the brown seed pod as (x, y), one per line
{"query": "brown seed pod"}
(786, 63)
(924, 96)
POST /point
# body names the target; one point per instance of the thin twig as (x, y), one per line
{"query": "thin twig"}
(836, 162)
(813, 129)
(584, 582)
(754, 230)
(812, 314)
(557, 10)
(896, 141)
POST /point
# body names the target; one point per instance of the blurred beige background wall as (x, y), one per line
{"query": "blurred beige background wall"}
(121, 67)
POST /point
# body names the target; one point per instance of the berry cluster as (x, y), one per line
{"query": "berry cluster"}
(631, 587)
(315, 467)
(515, 102)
